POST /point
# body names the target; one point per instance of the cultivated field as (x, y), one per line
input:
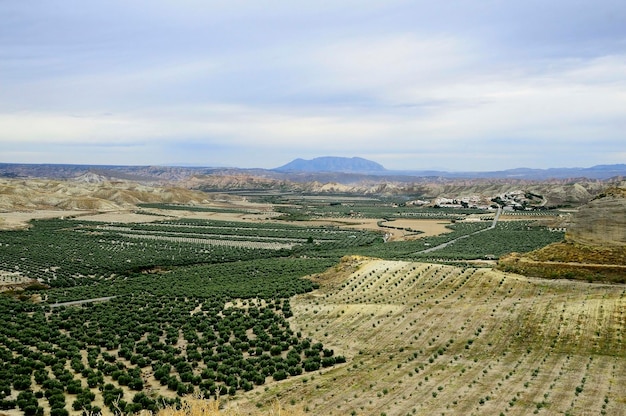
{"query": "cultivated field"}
(177, 300)
(397, 230)
(438, 340)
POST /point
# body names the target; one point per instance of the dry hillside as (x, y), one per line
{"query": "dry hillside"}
(595, 246)
(601, 222)
(88, 193)
(429, 339)
(555, 192)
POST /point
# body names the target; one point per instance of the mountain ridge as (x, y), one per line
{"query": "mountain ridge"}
(332, 172)
(356, 165)
(332, 164)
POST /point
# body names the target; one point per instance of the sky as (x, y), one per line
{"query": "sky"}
(473, 85)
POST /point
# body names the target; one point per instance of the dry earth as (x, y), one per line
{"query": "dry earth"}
(19, 220)
(602, 222)
(11, 280)
(427, 227)
(439, 340)
(75, 195)
(595, 247)
(255, 213)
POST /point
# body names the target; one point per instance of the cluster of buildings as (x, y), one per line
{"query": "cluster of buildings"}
(473, 201)
(509, 201)
(520, 201)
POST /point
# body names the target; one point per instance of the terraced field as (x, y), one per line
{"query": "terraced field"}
(440, 340)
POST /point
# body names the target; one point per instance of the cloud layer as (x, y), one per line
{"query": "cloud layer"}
(412, 85)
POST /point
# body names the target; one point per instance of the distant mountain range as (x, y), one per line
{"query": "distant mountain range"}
(560, 187)
(594, 172)
(321, 169)
(359, 165)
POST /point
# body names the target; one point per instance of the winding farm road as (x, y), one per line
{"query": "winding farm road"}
(446, 244)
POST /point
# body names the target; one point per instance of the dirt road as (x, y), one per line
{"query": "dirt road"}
(80, 302)
(446, 244)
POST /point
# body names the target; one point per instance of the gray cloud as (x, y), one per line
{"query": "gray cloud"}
(409, 84)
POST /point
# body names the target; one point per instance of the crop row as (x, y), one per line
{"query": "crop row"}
(191, 208)
(262, 245)
(378, 209)
(180, 329)
(436, 339)
(65, 253)
(506, 237)
(226, 228)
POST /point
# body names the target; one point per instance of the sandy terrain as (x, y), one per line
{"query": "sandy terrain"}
(19, 220)
(428, 227)
(123, 217)
(265, 213)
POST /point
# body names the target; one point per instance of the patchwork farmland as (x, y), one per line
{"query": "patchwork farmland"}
(322, 315)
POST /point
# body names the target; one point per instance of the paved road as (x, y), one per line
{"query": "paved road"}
(446, 244)
(80, 302)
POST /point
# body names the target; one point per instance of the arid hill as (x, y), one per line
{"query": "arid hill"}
(602, 221)
(425, 339)
(577, 187)
(595, 246)
(555, 192)
(88, 192)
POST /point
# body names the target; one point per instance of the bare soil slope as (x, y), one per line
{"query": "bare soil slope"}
(595, 247)
(80, 194)
(25, 199)
(438, 340)
(554, 192)
(602, 222)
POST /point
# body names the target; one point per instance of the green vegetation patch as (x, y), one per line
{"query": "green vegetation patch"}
(209, 329)
(506, 237)
(302, 209)
(191, 208)
(67, 253)
(191, 306)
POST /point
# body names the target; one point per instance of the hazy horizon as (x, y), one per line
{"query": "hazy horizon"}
(412, 85)
(200, 166)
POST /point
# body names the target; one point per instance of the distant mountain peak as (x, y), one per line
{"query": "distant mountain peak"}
(332, 164)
